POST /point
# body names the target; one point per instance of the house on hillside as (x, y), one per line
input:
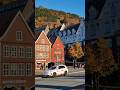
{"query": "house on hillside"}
(17, 53)
(57, 51)
(42, 50)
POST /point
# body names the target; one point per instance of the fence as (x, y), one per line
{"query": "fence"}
(102, 87)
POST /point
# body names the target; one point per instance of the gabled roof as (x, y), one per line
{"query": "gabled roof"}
(39, 35)
(53, 41)
(75, 27)
(8, 20)
(98, 4)
(52, 38)
(5, 20)
(18, 5)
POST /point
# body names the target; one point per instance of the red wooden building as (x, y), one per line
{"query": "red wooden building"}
(57, 51)
(42, 50)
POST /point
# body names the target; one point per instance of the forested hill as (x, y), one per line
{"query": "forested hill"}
(54, 18)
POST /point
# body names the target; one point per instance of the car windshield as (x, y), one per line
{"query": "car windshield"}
(53, 67)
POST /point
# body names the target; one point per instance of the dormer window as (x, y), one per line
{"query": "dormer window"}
(73, 31)
(68, 32)
(19, 35)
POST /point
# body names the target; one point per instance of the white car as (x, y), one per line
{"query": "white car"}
(56, 71)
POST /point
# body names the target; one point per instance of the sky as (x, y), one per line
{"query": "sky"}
(69, 6)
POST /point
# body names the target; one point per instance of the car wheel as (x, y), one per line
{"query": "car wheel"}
(65, 73)
(54, 74)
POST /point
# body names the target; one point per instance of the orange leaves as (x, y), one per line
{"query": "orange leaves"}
(99, 58)
(75, 51)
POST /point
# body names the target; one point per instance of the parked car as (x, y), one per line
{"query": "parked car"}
(56, 71)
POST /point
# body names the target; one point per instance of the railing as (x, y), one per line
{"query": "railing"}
(102, 87)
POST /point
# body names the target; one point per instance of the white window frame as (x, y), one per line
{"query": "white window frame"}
(19, 35)
(28, 52)
(14, 69)
(21, 52)
(28, 69)
(13, 51)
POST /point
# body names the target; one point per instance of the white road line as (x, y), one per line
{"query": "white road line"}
(76, 72)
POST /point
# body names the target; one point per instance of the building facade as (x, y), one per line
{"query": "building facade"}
(57, 51)
(73, 34)
(16, 53)
(42, 50)
(104, 22)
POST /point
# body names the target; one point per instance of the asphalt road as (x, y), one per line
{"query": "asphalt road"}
(75, 80)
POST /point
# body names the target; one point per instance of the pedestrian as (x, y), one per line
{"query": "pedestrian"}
(40, 66)
(74, 64)
(78, 64)
(44, 66)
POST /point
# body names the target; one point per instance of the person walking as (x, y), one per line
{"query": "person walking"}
(74, 64)
(44, 66)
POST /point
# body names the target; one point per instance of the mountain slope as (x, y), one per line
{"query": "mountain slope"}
(54, 18)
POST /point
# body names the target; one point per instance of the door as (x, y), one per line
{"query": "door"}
(61, 70)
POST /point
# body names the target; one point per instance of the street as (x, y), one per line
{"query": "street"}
(75, 80)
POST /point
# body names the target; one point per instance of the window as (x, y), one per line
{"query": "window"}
(17, 51)
(28, 69)
(53, 67)
(58, 51)
(58, 56)
(28, 52)
(5, 69)
(19, 36)
(13, 51)
(7, 51)
(14, 69)
(44, 55)
(44, 47)
(21, 52)
(60, 67)
(21, 69)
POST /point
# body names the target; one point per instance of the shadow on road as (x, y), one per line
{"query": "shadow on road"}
(79, 87)
(75, 76)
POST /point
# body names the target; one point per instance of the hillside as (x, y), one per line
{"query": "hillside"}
(53, 18)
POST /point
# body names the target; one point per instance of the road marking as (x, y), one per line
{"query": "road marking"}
(76, 72)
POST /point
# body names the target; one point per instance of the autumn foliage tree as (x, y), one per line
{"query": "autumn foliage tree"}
(75, 51)
(99, 59)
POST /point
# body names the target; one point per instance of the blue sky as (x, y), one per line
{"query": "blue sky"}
(71, 6)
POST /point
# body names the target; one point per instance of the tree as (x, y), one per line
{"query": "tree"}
(75, 51)
(100, 60)
(89, 54)
(104, 59)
